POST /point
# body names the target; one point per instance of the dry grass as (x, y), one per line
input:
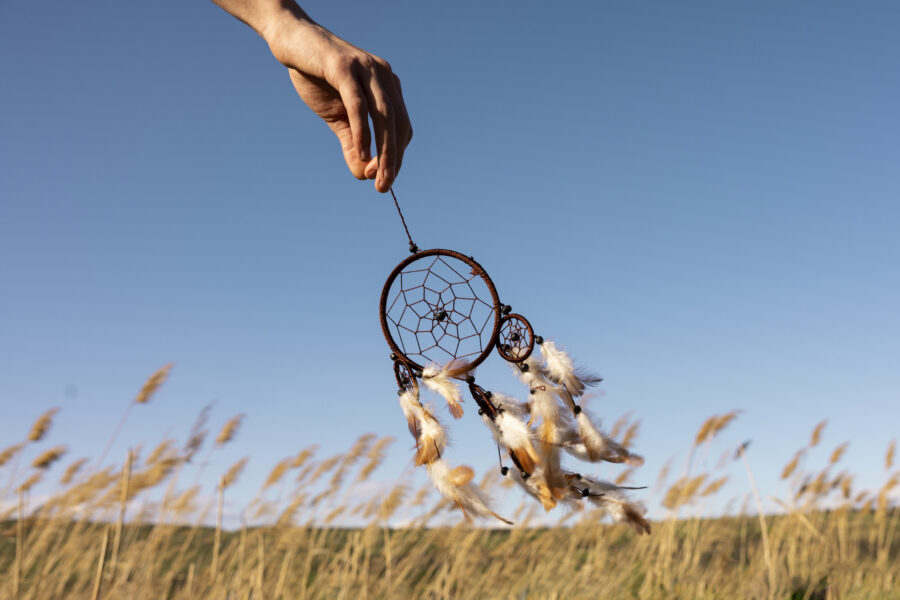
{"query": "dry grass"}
(138, 530)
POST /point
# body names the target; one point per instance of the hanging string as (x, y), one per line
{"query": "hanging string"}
(412, 246)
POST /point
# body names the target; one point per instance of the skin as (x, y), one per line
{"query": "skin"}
(345, 85)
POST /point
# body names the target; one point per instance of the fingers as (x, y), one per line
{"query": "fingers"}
(404, 128)
(382, 111)
(358, 117)
(390, 119)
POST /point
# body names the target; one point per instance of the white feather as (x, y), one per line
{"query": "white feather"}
(615, 502)
(513, 432)
(511, 405)
(598, 445)
(469, 498)
(437, 380)
(560, 369)
(409, 404)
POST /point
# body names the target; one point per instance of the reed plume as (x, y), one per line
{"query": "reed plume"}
(42, 425)
(9, 453)
(229, 430)
(48, 457)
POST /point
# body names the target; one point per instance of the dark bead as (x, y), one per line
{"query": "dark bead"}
(523, 367)
(577, 409)
(504, 471)
(480, 411)
(514, 337)
(413, 248)
(470, 379)
(506, 309)
(585, 493)
(400, 392)
(489, 394)
(525, 475)
(538, 340)
(506, 347)
(393, 356)
(532, 390)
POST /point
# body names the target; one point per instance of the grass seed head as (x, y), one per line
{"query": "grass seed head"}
(72, 470)
(792, 466)
(233, 472)
(816, 436)
(838, 453)
(9, 453)
(888, 457)
(152, 384)
(277, 473)
(42, 425)
(48, 457)
(30, 482)
(229, 430)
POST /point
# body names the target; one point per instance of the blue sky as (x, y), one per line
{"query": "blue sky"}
(698, 200)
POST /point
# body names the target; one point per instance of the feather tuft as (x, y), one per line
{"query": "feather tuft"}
(560, 369)
(599, 446)
(467, 497)
(438, 380)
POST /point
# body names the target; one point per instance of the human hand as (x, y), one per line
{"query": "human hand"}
(346, 85)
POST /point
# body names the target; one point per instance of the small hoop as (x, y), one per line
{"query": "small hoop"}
(515, 339)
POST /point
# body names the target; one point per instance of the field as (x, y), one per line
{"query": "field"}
(141, 529)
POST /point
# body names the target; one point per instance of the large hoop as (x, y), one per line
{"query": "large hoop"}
(440, 306)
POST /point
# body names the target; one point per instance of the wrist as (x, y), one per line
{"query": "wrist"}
(291, 34)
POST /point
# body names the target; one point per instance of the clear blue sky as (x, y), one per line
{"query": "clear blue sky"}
(698, 199)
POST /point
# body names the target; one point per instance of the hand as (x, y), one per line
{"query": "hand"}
(345, 85)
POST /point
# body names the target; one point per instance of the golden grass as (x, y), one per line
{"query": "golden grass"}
(135, 530)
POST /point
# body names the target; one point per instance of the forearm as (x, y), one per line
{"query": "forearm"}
(264, 16)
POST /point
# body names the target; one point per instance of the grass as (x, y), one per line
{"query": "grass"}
(831, 540)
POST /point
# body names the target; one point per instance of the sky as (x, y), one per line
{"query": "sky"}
(698, 200)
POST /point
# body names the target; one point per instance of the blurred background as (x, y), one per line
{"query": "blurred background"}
(697, 200)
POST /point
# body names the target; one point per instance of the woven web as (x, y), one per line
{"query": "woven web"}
(514, 339)
(440, 310)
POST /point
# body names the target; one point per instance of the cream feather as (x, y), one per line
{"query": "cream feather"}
(598, 446)
(438, 380)
(432, 438)
(467, 497)
(518, 445)
(612, 499)
(515, 435)
(560, 369)
(409, 404)
(536, 487)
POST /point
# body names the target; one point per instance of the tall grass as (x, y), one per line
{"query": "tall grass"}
(140, 529)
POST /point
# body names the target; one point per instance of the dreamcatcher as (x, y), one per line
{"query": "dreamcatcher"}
(442, 317)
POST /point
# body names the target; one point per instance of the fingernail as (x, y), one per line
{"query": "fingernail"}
(364, 155)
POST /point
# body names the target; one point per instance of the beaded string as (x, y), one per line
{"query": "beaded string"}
(412, 246)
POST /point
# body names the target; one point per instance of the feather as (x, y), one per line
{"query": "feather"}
(560, 369)
(515, 436)
(536, 487)
(598, 446)
(461, 475)
(509, 404)
(438, 381)
(612, 499)
(409, 401)
(432, 438)
(467, 497)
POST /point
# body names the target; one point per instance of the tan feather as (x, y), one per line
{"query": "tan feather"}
(438, 381)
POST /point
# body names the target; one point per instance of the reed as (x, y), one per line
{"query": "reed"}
(132, 530)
